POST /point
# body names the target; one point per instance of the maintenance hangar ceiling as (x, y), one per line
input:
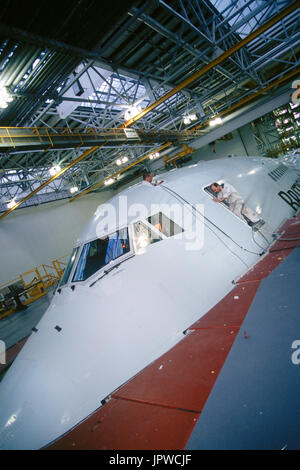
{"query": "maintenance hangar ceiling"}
(78, 70)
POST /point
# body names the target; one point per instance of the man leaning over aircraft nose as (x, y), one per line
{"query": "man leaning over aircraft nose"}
(227, 193)
(148, 178)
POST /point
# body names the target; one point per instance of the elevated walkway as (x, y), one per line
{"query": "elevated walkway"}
(43, 138)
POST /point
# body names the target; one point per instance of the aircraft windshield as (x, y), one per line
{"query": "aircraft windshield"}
(69, 267)
(98, 253)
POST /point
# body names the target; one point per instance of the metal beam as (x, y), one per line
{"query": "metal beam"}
(99, 183)
(216, 61)
(243, 119)
(40, 138)
(36, 40)
(178, 88)
(251, 97)
(211, 136)
(146, 19)
(81, 157)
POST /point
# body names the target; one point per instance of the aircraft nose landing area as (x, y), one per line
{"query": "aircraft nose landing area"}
(235, 373)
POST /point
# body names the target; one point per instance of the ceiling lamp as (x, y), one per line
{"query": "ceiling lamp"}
(154, 155)
(216, 120)
(5, 97)
(11, 204)
(122, 160)
(109, 181)
(74, 189)
(187, 118)
(55, 169)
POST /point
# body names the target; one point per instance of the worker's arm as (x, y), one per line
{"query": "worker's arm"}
(219, 200)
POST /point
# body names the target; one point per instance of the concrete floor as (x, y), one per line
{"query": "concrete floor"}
(16, 326)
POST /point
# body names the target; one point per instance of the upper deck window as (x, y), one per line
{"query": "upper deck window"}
(213, 194)
(98, 253)
(165, 225)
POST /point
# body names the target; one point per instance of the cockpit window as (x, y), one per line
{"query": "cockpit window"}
(209, 190)
(144, 236)
(165, 225)
(227, 195)
(98, 253)
(69, 267)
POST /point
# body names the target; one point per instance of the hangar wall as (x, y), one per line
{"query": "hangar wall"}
(242, 144)
(36, 235)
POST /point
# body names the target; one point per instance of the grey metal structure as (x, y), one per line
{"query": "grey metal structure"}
(83, 69)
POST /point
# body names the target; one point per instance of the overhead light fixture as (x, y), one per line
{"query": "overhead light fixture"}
(122, 160)
(131, 112)
(187, 118)
(55, 169)
(5, 96)
(214, 121)
(74, 189)
(109, 181)
(154, 155)
(11, 204)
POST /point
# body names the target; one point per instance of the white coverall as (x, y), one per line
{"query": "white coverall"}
(236, 203)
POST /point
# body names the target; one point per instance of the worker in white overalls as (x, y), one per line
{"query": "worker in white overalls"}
(148, 178)
(226, 192)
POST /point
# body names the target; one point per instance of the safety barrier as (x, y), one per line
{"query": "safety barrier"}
(29, 286)
(45, 138)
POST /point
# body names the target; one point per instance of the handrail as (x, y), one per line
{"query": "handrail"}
(42, 137)
(36, 272)
(34, 289)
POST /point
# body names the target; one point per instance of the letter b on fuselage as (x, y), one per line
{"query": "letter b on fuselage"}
(291, 198)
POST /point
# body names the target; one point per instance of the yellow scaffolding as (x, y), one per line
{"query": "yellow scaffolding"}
(33, 284)
(173, 159)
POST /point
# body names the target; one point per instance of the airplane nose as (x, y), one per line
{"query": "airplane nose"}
(33, 408)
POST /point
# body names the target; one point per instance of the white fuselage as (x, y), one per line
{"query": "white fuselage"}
(117, 321)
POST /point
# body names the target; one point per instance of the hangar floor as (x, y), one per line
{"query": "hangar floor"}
(16, 327)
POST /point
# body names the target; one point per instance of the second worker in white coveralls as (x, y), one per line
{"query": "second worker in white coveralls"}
(227, 193)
